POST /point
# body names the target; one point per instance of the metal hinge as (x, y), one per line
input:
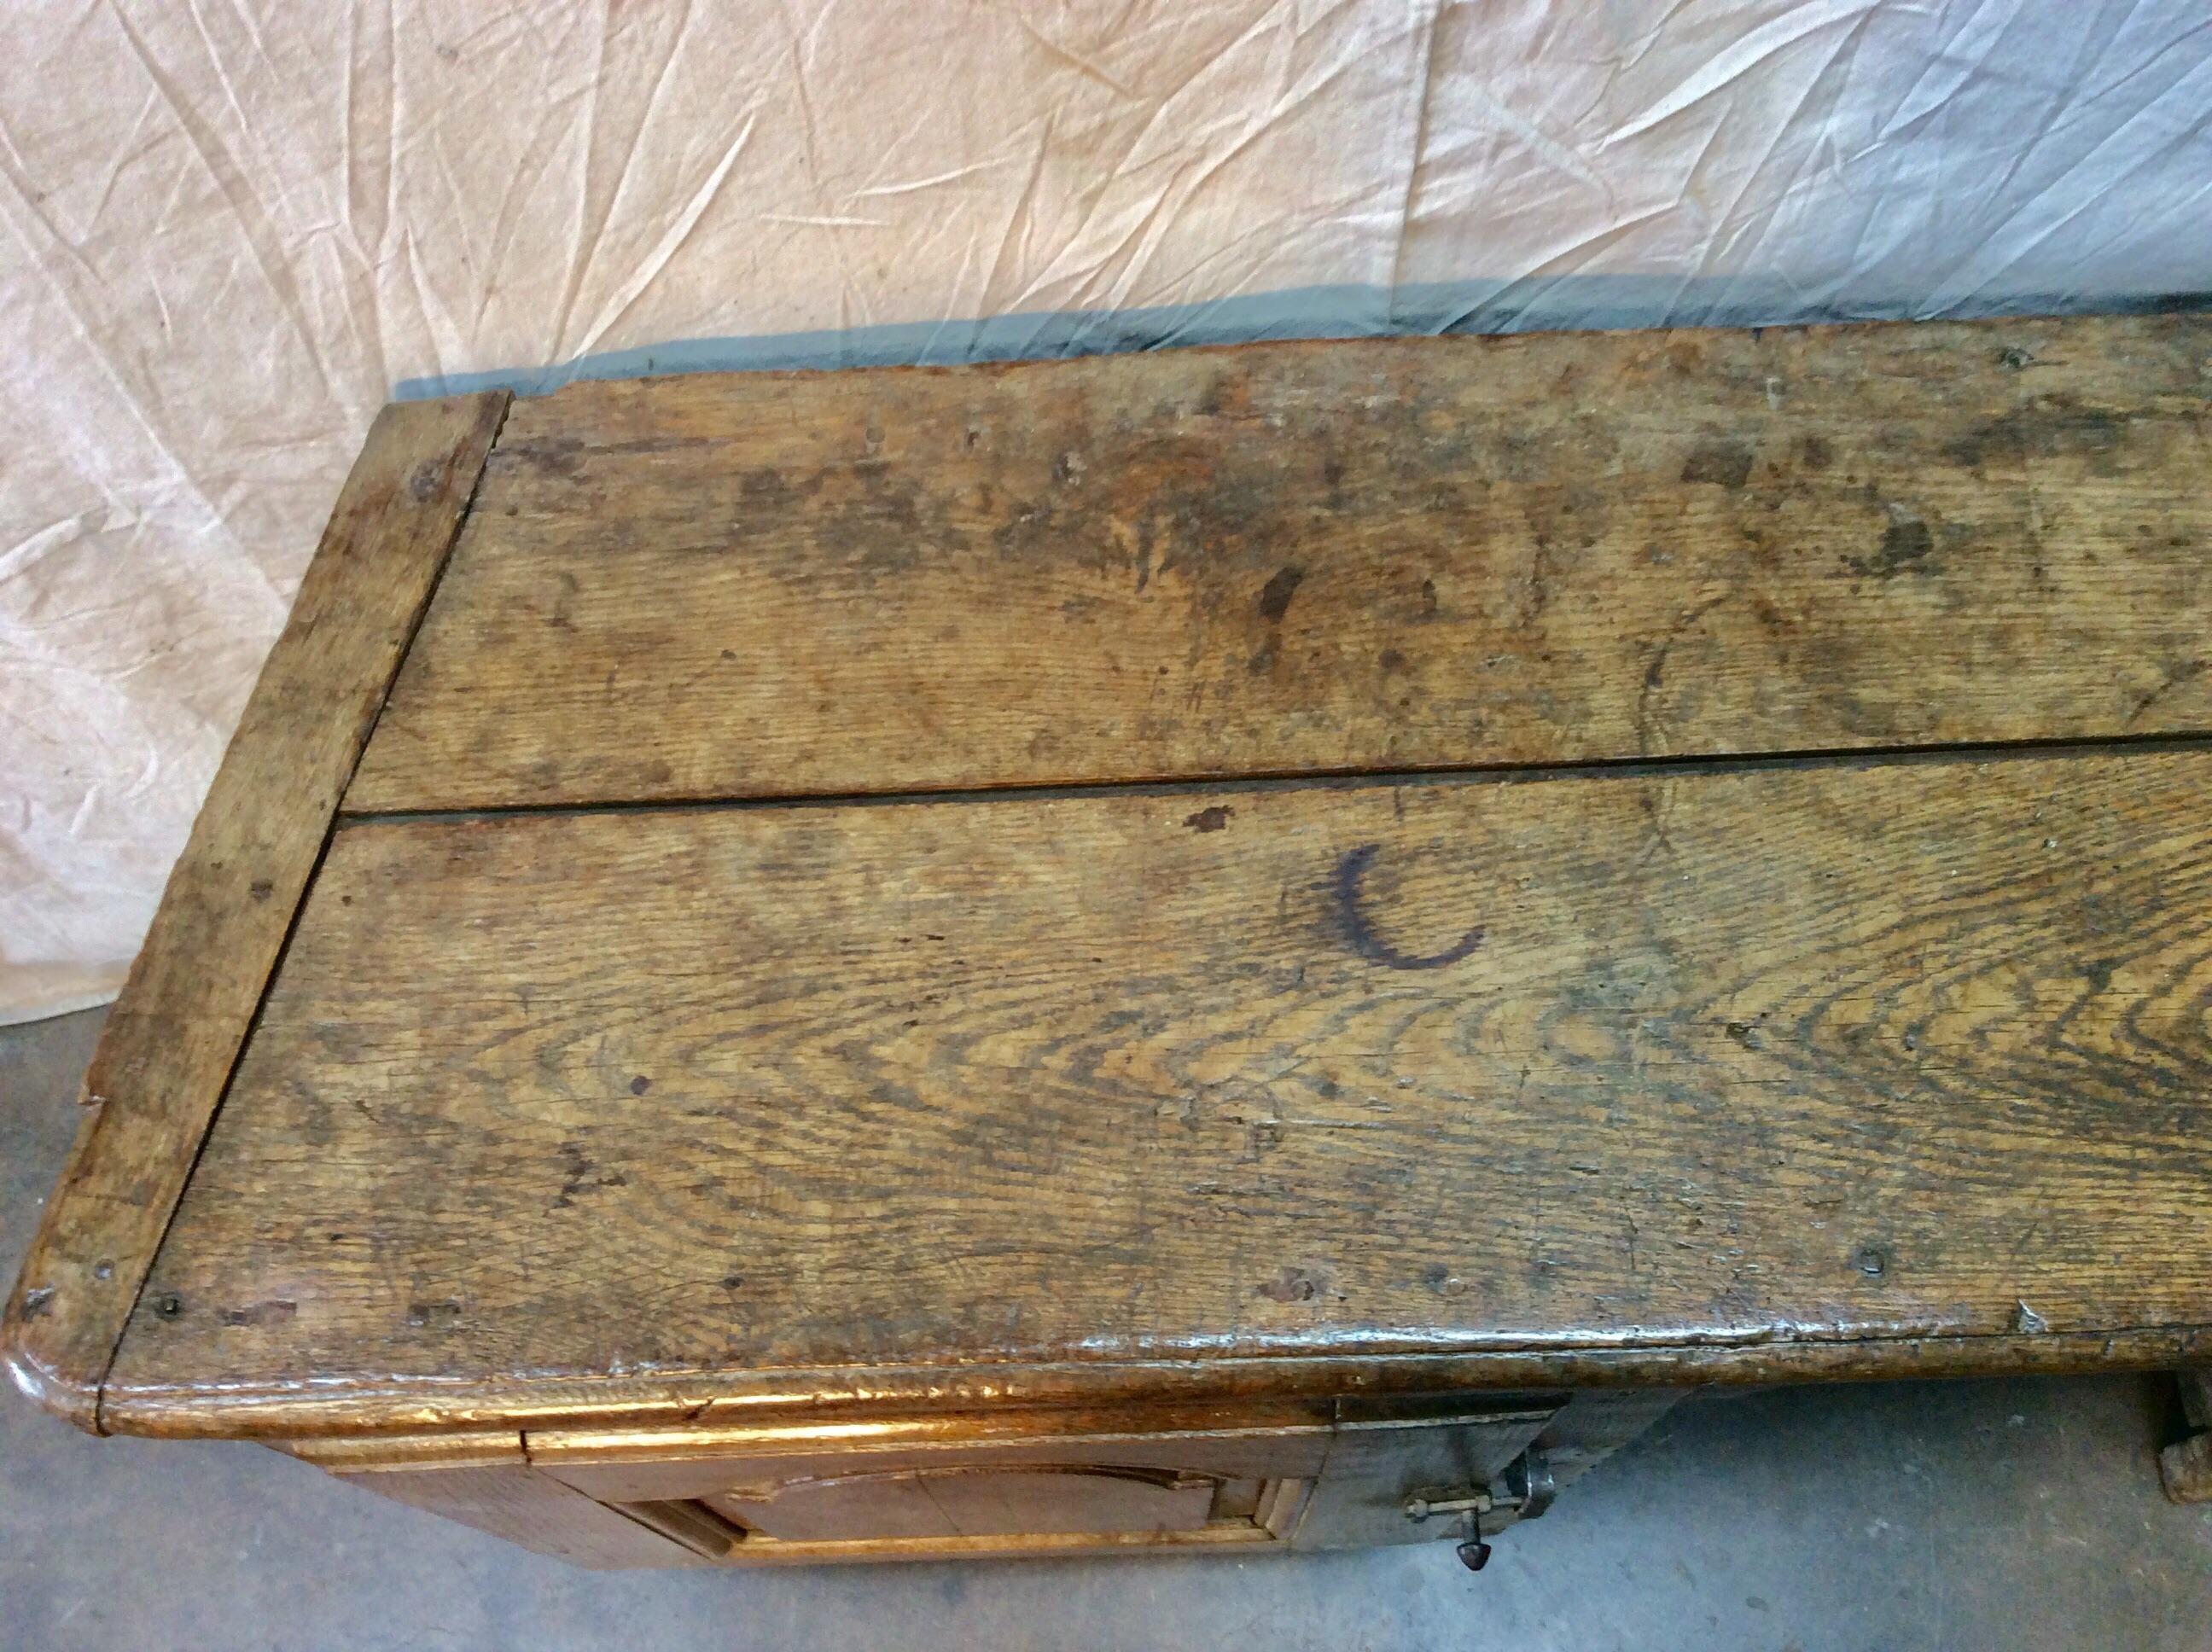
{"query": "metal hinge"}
(1521, 1490)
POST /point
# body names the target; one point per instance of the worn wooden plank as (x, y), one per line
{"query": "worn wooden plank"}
(171, 1041)
(1386, 554)
(1875, 1067)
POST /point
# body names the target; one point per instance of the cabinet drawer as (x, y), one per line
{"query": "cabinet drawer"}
(934, 1487)
(940, 1487)
(1305, 1475)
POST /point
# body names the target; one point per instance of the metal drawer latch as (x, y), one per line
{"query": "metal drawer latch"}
(1522, 1491)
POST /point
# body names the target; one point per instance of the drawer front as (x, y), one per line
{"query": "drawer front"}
(763, 1501)
(931, 1489)
(1316, 1475)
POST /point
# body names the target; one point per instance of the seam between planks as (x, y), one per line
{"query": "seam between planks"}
(1503, 774)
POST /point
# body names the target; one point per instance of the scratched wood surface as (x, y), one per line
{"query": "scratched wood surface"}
(1874, 1054)
(170, 1043)
(1401, 554)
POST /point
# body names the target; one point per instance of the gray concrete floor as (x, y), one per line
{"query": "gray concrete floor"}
(1956, 1515)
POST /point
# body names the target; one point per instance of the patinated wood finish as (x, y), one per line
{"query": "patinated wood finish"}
(1396, 554)
(1646, 860)
(174, 1034)
(1817, 1052)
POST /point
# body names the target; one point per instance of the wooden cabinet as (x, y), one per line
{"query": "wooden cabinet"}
(1243, 950)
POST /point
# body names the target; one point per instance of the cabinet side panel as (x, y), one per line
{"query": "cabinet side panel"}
(516, 1502)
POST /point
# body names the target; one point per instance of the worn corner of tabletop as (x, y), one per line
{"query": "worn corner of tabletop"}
(170, 1043)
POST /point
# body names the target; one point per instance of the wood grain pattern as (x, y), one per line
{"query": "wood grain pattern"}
(1379, 554)
(1841, 1065)
(171, 1041)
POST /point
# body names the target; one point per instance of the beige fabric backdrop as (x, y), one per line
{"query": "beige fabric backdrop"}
(227, 230)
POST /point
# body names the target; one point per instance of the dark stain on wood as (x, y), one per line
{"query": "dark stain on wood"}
(1275, 596)
(1212, 818)
(1723, 463)
(556, 456)
(582, 1175)
(1350, 872)
(2052, 426)
(1906, 545)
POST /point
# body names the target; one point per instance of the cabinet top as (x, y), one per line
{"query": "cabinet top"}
(1293, 870)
